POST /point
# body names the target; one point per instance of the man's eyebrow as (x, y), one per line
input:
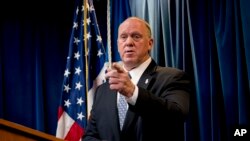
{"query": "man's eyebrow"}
(137, 33)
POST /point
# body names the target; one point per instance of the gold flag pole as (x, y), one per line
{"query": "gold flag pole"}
(86, 50)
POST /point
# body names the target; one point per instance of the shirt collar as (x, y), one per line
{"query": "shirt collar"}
(137, 72)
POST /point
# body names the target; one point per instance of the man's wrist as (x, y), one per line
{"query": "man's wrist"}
(132, 99)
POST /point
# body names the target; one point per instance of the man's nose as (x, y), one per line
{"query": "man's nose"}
(129, 41)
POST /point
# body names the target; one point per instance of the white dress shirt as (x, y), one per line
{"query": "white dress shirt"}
(135, 76)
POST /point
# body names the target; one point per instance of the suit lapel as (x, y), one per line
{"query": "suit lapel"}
(147, 75)
(144, 82)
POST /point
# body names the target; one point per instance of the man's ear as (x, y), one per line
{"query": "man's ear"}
(150, 43)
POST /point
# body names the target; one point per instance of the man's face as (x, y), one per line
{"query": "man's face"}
(134, 43)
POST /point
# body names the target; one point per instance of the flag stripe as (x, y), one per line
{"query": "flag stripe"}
(60, 112)
(64, 124)
(75, 132)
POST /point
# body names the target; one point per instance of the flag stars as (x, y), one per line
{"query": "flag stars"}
(86, 6)
(79, 101)
(80, 116)
(99, 54)
(77, 55)
(88, 21)
(77, 11)
(77, 70)
(75, 25)
(99, 39)
(67, 88)
(66, 73)
(78, 86)
(76, 41)
(88, 35)
(67, 103)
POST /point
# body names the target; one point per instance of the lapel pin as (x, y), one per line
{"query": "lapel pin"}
(146, 81)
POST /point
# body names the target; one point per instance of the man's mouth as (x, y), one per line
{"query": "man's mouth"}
(128, 51)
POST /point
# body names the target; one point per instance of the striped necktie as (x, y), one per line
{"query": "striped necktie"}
(122, 109)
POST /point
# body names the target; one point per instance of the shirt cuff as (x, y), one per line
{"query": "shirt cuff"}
(132, 100)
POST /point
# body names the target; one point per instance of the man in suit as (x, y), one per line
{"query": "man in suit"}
(156, 98)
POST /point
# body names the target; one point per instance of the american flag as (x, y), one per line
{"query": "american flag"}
(84, 71)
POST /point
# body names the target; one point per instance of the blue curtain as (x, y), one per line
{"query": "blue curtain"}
(120, 10)
(208, 39)
(33, 48)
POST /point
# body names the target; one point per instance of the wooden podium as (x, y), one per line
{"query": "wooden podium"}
(10, 131)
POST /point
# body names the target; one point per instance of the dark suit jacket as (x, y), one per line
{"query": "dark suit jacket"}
(158, 115)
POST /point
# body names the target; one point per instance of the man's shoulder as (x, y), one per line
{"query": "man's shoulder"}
(169, 70)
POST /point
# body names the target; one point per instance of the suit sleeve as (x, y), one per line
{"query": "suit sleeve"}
(167, 94)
